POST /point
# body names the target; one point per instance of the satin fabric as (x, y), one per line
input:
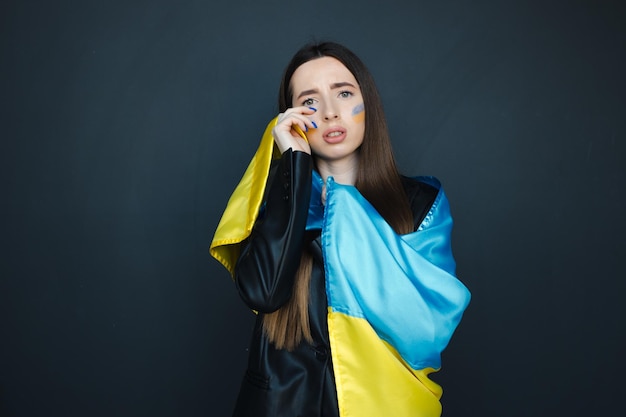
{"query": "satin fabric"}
(244, 204)
(242, 208)
(393, 302)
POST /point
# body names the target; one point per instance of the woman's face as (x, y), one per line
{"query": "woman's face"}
(328, 86)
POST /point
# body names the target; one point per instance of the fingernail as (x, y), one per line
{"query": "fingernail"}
(313, 108)
(306, 128)
(314, 125)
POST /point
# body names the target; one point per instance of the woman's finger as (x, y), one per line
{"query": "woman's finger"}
(285, 132)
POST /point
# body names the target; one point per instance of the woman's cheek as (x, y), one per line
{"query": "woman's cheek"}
(358, 113)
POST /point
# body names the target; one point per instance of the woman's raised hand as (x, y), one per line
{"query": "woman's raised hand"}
(285, 134)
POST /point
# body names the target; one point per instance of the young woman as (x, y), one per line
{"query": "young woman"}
(346, 262)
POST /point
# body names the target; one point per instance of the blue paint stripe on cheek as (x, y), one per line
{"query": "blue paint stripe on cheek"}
(358, 109)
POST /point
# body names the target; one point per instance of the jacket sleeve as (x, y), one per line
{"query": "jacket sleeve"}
(265, 270)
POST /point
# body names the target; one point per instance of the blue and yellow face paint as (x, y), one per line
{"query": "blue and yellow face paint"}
(358, 113)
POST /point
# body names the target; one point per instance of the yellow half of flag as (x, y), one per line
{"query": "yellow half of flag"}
(243, 206)
(372, 379)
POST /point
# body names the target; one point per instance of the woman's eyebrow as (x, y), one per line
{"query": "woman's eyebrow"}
(333, 86)
(341, 84)
(306, 93)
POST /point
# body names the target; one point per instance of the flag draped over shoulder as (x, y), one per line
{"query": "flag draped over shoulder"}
(393, 300)
(393, 303)
(243, 206)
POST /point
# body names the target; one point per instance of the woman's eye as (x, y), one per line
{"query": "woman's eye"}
(345, 94)
(308, 102)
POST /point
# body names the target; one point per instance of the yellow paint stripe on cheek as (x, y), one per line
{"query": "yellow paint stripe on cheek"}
(358, 113)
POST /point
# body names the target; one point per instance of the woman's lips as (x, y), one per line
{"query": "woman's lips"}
(334, 135)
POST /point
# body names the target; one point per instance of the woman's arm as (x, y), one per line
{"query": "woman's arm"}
(266, 268)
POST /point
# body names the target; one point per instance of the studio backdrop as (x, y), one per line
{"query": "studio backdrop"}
(125, 126)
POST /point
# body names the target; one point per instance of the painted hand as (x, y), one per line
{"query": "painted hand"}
(285, 133)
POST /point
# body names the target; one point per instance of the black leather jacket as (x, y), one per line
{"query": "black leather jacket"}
(299, 383)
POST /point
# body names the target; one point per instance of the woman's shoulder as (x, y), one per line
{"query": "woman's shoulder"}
(421, 193)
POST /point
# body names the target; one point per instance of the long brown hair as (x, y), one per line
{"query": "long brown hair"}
(378, 180)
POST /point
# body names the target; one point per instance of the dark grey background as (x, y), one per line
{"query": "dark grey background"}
(126, 125)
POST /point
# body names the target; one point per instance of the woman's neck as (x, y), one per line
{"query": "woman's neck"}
(343, 171)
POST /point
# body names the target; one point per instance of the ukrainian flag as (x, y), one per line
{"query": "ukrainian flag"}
(393, 304)
(243, 206)
(393, 300)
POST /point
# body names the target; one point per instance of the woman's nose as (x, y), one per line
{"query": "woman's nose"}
(330, 112)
